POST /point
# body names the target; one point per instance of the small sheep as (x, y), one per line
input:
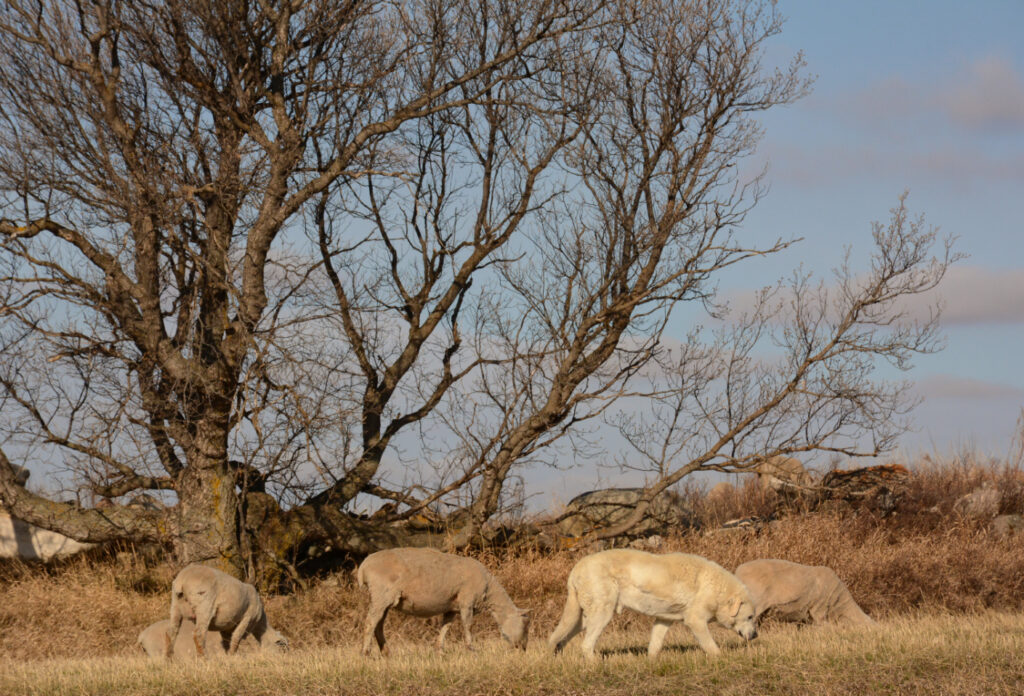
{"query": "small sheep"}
(216, 601)
(425, 582)
(799, 593)
(153, 641)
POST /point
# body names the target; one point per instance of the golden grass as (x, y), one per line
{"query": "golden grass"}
(932, 653)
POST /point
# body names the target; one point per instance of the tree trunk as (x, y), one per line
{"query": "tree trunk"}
(208, 529)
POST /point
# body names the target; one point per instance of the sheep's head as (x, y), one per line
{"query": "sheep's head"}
(516, 628)
(273, 640)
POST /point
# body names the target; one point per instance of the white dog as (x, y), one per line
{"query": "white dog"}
(670, 587)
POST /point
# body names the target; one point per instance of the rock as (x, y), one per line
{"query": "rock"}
(881, 487)
(610, 506)
(650, 543)
(1005, 525)
(863, 482)
(747, 523)
(981, 503)
(782, 473)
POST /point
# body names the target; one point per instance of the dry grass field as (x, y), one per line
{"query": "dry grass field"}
(935, 654)
(947, 589)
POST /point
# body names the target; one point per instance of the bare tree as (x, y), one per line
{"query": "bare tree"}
(153, 155)
(252, 253)
(576, 328)
(652, 221)
(794, 373)
(588, 202)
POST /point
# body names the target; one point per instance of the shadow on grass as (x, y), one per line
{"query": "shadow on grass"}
(641, 650)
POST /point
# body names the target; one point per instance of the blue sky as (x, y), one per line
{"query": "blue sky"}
(918, 96)
(925, 97)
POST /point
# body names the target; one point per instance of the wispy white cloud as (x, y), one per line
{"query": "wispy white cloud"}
(985, 96)
(990, 96)
(976, 295)
(967, 295)
(953, 387)
(954, 130)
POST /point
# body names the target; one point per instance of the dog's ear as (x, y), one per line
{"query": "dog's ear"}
(734, 608)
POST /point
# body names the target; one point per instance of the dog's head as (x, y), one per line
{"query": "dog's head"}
(738, 614)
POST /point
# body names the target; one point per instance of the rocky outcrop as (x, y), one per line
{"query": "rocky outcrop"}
(607, 507)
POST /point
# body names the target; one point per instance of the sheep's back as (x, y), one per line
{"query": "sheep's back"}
(424, 581)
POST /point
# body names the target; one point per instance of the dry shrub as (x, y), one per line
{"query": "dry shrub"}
(937, 484)
(748, 499)
(91, 606)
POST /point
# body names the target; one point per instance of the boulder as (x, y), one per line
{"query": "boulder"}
(604, 508)
(1006, 525)
(981, 503)
(782, 473)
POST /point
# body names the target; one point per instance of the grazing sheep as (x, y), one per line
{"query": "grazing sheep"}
(425, 582)
(153, 640)
(216, 601)
(799, 593)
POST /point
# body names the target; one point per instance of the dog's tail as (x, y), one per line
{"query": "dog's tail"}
(572, 619)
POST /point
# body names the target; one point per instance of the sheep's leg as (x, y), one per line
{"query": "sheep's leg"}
(248, 619)
(259, 627)
(703, 634)
(467, 622)
(172, 632)
(378, 633)
(446, 622)
(593, 624)
(374, 626)
(204, 616)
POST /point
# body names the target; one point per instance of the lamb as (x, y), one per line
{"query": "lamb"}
(425, 582)
(153, 641)
(216, 601)
(799, 593)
